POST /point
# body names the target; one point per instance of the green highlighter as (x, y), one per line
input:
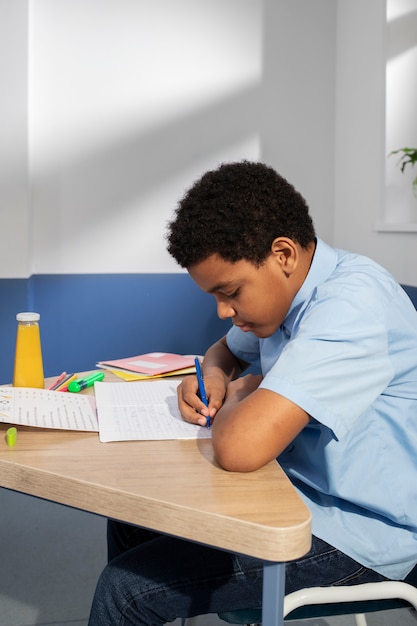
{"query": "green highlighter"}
(11, 436)
(82, 383)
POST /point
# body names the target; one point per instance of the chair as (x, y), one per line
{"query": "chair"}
(347, 600)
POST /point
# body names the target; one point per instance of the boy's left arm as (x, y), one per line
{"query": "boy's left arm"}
(254, 425)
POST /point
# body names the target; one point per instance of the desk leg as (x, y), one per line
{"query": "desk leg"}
(273, 594)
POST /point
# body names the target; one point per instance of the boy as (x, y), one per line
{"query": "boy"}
(336, 339)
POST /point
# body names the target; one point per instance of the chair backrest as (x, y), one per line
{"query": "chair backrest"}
(412, 293)
(310, 611)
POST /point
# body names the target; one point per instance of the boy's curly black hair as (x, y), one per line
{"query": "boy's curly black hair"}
(236, 211)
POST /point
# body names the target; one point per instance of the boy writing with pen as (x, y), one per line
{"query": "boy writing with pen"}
(335, 337)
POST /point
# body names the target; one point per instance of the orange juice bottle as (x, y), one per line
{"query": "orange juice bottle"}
(28, 365)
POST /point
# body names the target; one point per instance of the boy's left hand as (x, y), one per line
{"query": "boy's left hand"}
(238, 389)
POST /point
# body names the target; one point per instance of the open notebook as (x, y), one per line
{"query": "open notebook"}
(147, 410)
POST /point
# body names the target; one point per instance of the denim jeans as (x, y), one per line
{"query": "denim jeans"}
(152, 579)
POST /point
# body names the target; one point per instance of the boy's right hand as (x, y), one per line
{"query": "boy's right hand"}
(191, 407)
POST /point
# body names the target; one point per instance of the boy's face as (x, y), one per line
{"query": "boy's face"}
(257, 299)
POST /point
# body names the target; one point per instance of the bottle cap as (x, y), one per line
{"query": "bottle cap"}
(28, 317)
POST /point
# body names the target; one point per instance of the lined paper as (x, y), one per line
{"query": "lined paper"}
(144, 410)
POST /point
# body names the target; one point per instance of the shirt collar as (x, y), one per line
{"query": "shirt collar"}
(322, 266)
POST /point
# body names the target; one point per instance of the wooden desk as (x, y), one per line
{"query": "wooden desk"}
(174, 487)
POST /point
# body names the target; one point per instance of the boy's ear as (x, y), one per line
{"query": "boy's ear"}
(285, 252)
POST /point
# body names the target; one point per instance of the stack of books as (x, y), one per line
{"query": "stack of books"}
(151, 365)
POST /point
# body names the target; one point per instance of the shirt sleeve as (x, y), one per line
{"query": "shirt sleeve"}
(244, 346)
(336, 362)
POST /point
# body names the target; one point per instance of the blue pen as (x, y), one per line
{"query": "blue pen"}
(201, 388)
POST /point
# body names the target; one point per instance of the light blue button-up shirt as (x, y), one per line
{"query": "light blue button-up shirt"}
(347, 354)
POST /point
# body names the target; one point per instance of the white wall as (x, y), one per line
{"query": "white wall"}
(299, 100)
(14, 198)
(361, 151)
(401, 110)
(129, 101)
(360, 122)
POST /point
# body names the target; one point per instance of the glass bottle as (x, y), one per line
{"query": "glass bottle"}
(28, 365)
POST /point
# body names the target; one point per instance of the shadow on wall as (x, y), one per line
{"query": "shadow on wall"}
(101, 183)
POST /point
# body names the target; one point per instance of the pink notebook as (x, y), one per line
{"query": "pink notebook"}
(151, 364)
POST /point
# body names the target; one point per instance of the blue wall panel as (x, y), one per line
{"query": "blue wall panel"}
(88, 318)
(14, 295)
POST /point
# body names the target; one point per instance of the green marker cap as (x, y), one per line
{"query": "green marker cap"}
(74, 386)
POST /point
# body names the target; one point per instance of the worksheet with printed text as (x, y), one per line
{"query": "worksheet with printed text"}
(25, 406)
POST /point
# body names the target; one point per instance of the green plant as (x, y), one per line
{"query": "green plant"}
(409, 157)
